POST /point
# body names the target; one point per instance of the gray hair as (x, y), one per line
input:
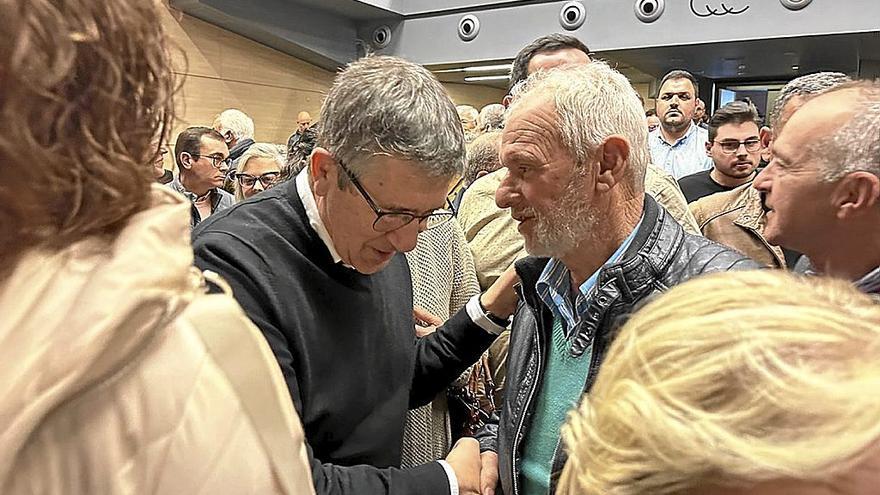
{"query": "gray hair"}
(809, 85)
(258, 150)
(467, 112)
(236, 121)
(855, 146)
(593, 101)
(386, 106)
(491, 118)
(482, 156)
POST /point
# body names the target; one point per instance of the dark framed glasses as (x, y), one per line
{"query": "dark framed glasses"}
(267, 180)
(731, 146)
(387, 220)
(216, 160)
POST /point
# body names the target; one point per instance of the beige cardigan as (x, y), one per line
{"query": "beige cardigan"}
(121, 376)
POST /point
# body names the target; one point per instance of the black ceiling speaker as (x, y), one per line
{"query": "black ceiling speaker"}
(649, 10)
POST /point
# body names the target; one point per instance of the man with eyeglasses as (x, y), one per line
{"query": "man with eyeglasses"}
(316, 262)
(736, 218)
(678, 144)
(735, 148)
(202, 160)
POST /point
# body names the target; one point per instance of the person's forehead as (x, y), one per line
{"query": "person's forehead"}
(210, 145)
(677, 85)
(264, 164)
(749, 129)
(531, 123)
(549, 60)
(818, 118)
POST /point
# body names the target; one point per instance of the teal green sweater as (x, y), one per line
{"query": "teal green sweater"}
(564, 380)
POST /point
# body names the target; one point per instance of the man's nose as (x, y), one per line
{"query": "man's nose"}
(405, 238)
(507, 194)
(764, 179)
(258, 185)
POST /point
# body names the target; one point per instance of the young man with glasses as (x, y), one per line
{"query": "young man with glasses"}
(735, 148)
(203, 159)
(316, 263)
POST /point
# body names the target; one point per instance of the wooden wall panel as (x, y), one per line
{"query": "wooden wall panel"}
(475, 95)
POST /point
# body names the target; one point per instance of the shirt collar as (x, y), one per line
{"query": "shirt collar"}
(311, 206)
(554, 284)
(691, 130)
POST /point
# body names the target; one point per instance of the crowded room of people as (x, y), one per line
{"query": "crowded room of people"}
(446, 247)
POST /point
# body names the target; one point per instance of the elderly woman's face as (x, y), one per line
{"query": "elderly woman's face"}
(257, 175)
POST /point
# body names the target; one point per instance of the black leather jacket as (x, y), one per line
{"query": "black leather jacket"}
(660, 256)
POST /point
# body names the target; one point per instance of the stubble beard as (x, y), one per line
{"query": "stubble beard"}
(560, 229)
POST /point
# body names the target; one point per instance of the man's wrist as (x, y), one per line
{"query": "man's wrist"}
(450, 475)
(480, 317)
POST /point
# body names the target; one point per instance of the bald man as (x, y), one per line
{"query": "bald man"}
(303, 121)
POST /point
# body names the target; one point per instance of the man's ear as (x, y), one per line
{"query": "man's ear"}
(323, 171)
(506, 101)
(613, 161)
(709, 149)
(855, 194)
(184, 160)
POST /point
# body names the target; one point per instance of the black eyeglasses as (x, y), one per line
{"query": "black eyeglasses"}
(731, 146)
(386, 220)
(267, 180)
(215, 160)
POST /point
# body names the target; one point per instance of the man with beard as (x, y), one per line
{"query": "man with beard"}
(678, 145)
(576, 166)
(735, 148)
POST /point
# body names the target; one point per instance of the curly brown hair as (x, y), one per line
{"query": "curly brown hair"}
(85, 88)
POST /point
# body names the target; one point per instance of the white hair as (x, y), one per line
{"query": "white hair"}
(491, 118)
(236, 121)
(593, 101)
(467, 112)
(855, 146)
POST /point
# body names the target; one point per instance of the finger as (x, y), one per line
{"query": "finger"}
(488, 473)
(425, 316)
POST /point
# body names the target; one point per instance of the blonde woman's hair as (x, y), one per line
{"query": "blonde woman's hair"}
(257, 150)
(731, 380)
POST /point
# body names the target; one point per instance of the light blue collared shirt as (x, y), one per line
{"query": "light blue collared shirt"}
(685, 157)
(554, 283)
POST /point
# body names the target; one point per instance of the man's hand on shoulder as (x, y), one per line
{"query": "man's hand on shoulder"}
(500, 298)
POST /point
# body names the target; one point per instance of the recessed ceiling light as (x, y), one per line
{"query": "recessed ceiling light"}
(478, 68)
(795, 67)
(485, 78)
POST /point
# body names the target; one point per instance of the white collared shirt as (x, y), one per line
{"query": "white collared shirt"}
(308, 200)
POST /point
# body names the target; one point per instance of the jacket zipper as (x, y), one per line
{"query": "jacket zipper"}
(517, 436)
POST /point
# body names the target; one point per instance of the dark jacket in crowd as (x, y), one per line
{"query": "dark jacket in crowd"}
(345, 342)
(660, 256)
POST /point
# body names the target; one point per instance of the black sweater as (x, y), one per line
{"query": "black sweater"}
(345, 342)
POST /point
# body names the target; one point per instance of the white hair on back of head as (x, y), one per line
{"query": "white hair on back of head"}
(236, 121)
(491, 118)
(467, 112)
(592, 102)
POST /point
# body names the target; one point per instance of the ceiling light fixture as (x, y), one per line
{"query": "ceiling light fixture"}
(478, 68)
(485, 78)
(795, 67)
